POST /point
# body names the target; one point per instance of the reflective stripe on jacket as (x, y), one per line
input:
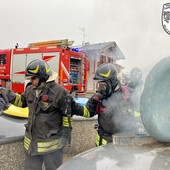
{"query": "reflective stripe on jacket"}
(100, 140)
(43, 147)
(136, 114)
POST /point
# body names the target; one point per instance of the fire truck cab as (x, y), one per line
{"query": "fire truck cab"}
(71, 66)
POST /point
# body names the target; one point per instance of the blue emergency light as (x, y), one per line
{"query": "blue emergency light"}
(75, 49)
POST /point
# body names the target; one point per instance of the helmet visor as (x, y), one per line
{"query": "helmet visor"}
(104, 88)
(102, 85)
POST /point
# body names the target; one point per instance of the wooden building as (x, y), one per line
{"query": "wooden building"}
(107, 52)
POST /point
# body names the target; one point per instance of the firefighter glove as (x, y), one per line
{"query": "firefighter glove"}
(7, 95)
(66, 136)
(97, 98)
(68, 103)
(92, 104)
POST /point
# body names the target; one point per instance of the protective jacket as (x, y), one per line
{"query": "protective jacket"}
(48, 126)
(113, 117)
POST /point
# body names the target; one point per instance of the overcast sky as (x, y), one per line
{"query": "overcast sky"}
(134, 25)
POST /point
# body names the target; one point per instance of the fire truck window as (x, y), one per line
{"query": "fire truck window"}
(75, 71)
(3, 59)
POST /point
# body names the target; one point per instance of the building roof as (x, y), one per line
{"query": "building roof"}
(101, 47)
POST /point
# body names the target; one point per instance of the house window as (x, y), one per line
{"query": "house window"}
(110, 60)
(98, 63)
(102, 59)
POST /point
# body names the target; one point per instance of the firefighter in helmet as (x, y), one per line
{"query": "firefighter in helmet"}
(135, 87)
(111, 105)
(135, 78)
(50, 116)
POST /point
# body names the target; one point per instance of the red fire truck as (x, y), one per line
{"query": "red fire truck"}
(71, 66)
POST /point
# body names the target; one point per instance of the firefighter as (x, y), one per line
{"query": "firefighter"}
(135, 78)
(50, 116)
(111, 104)
(135, 86)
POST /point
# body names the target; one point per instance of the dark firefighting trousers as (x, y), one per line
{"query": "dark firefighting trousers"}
(51, 161)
